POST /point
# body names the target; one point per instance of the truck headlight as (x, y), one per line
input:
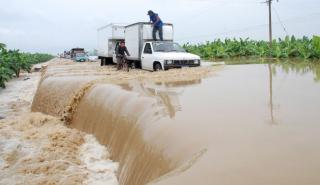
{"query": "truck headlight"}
(169, 61)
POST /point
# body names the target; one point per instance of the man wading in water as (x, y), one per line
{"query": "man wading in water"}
(121, 52)
(157, 25)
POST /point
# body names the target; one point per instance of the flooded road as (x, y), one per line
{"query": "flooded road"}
(243, 124)
(251, 134)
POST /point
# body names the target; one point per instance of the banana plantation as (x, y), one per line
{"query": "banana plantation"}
(12, 62)
(290, 47)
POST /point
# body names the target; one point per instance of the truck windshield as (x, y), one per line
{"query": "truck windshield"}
(167, 47)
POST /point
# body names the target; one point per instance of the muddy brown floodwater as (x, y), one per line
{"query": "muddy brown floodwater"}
(241, 124)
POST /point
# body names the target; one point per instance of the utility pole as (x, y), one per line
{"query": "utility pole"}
(270, 23)
(269, 2)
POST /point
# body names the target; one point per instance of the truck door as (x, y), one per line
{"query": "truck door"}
(147, 57)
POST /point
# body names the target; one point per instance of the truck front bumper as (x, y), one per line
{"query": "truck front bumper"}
(168, 66)
(181, 63)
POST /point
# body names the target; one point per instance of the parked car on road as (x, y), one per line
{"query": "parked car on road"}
(81, 57)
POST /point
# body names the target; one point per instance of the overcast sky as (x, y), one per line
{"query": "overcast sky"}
(57, 25)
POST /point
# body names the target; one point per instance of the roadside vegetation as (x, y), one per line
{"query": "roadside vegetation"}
(12, 62)
(290, 47)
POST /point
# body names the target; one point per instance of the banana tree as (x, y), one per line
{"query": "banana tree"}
(316, 46)
(5, 75)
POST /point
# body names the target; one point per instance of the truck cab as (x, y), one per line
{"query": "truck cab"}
(163, 55)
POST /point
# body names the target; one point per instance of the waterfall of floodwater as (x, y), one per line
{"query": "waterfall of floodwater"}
(119, 116)
(247, 125)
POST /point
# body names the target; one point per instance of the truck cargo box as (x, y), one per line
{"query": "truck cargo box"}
(108, 36)
(138, 33)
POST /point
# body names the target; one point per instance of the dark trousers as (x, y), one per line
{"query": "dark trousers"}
(154, 31)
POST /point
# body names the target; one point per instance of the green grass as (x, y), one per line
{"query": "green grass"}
(290, 47)
(13, 61)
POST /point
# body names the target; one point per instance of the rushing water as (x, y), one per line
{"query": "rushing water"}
(247, 124)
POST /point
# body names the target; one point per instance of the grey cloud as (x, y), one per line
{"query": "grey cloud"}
(53, 26)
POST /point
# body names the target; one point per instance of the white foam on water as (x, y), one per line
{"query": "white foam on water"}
(38, 149)
(95, 157)
(14, 149)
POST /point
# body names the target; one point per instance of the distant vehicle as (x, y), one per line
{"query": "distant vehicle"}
(156, 55)
(74, 51)
(81, 57)
(108, 38)
(93, 58)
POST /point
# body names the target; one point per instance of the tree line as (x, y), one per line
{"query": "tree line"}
(12, 62)
(289, 47)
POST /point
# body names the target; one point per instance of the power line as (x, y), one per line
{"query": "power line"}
(284, 28)
(295, 19)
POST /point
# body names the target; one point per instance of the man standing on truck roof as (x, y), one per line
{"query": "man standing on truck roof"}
(121, 52)
(157, 25)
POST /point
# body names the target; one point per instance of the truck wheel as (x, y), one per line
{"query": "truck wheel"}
(133, 65)
(157, 67)
(108, 61)
(102, 62)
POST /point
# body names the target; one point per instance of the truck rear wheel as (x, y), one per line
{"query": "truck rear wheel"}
(157, 67)
(102, 61)
(133, 65)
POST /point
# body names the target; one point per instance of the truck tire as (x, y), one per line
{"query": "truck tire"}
(157, 66)
(133, 65)
(108, 61)
(137, 64)
(102, 62)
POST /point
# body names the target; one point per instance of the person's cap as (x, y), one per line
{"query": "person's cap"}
(122, 42)
(150, 12)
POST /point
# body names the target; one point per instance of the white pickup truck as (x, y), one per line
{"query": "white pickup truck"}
(144, 52)
(156, 55)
